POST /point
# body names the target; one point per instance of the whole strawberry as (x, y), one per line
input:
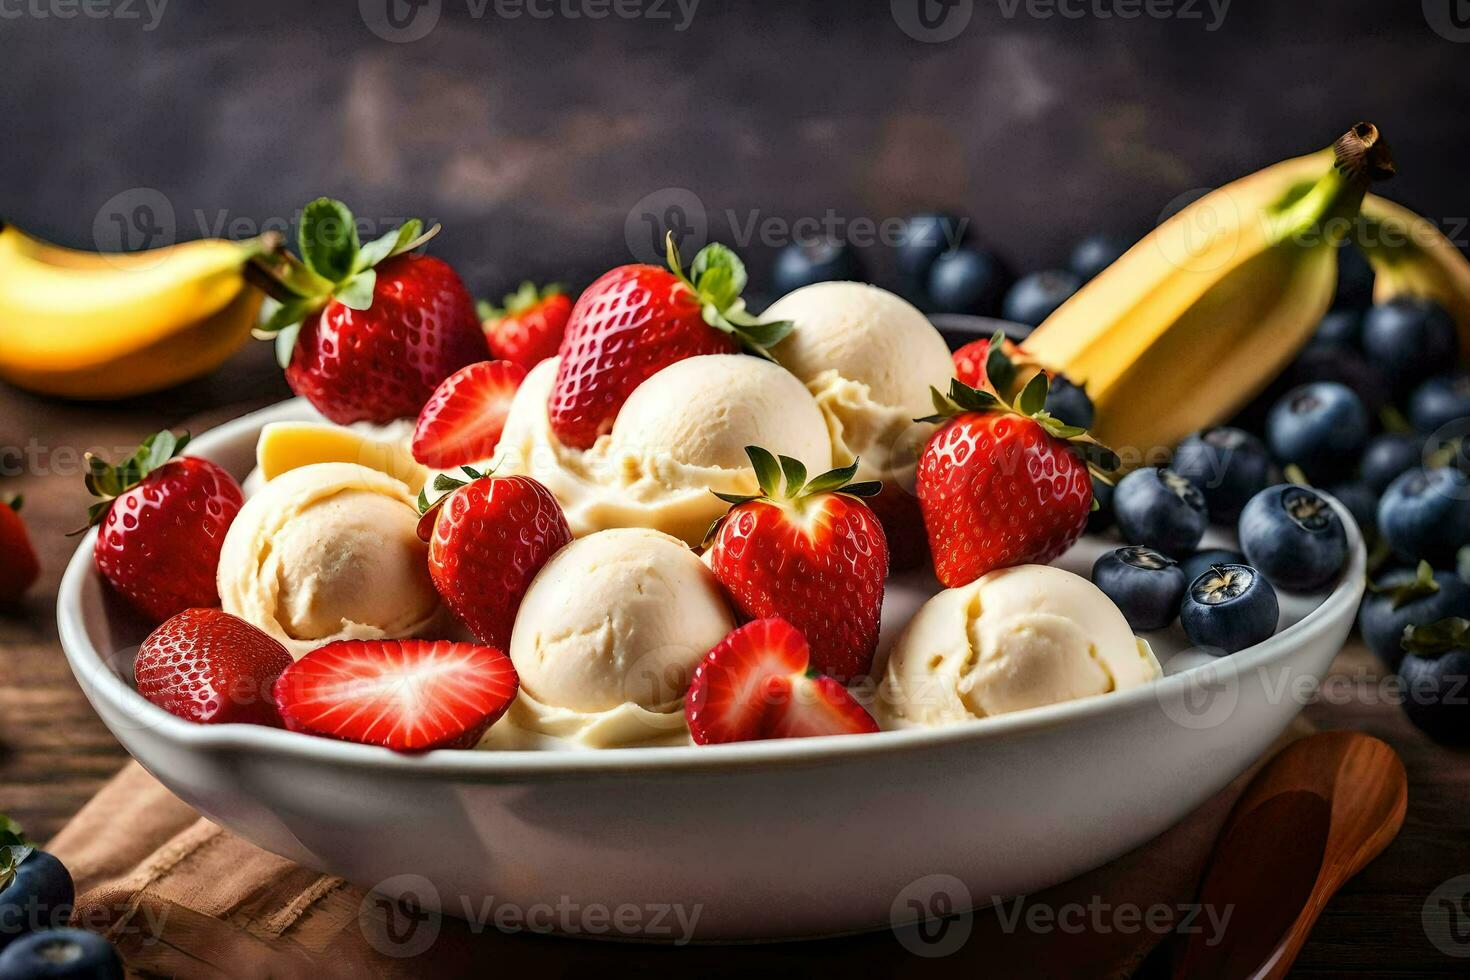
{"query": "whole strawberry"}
(975, 365)
(637, 320)
(1003, 484)
(529, 327)
(163, 521)
(19, 569)
(207, 666)
(811, 553)
(487, 539)
(366, 332)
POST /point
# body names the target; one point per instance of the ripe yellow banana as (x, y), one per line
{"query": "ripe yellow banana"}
(1411, 256)
(1201, 314)
(83, 325)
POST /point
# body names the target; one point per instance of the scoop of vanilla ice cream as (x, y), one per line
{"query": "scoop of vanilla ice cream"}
(1016, 638)
(329, 552)
(681, 434)
(869, 357)
(620, 617)
(703, 412)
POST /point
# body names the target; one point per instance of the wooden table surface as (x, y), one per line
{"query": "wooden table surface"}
(54, 752)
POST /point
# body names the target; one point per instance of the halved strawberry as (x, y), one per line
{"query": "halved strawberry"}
(463, 420)
(405, 695)
(755, 684)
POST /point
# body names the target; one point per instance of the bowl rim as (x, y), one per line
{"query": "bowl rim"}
(99, 681)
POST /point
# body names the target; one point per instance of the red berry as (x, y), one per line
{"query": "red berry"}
(405, 695)
(755, 685)
(816, 558)
(463, 420)
(19, 568)
(998, 490)
(490, 538)
(530, 327)
(209, 667)
(384, 362)
(159, 543)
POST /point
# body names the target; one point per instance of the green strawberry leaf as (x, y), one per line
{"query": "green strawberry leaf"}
(285, 341)
(389, 245)
(14, 849)
(109, 481)
(1032, 399)
(869, 488)
(832, 479)
(718, 275)
(1400, 595)
(795, 473)
(767, 470)
(357, 292)
(327, 237)
(999, 369)
(14, 502)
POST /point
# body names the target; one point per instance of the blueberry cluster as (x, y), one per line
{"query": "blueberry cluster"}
(36, 900)
(941, 269)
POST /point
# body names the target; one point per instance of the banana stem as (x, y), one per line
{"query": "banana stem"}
(1326, 212)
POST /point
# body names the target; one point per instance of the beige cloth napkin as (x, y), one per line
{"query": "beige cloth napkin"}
(182, 897)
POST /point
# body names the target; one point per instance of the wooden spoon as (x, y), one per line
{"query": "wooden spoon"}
(1309, 821)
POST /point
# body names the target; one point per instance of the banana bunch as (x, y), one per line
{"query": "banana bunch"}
(1412, 257)
(1201, 314)
(84, 325)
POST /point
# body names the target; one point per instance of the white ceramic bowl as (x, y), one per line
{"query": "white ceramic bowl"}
(765, 840)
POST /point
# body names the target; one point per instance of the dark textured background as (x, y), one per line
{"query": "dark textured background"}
(532, 140)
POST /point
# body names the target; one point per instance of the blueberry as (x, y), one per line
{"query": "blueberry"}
(1157, 508)
(1360, 501)
(1035, 297)
(1229, 466)
(1354, 278)
(1229, 608)
(61, 954)
(1426, 514)
(1094, 254)
(1320, 427)
(1340, 328)
(39, 896)
(1198, 563)
(1291, 535)
(1411, 339)
(1439, 401)
(1387, 456)
(820, 260)
(1405, 597)
(1069, 402)
(1435, 677)
(967, 281)
(921, 240)
(1145, 586)
(1102, 519)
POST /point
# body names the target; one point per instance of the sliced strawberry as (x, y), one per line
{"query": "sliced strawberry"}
(755, 685)
(405, 695)
(207, 666)
(463, 420)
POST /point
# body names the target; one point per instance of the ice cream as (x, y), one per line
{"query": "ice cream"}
(608, 636)
(680, 435)
(1016, 638)
(328, 552)
(869, 358)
